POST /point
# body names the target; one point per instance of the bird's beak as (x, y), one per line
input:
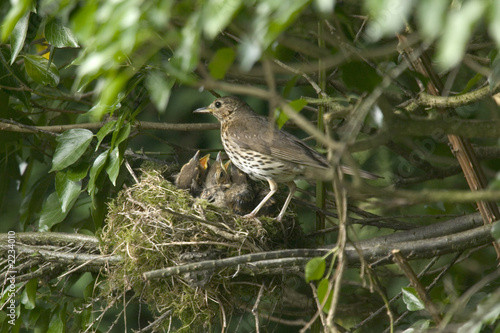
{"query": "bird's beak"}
(205, 109)
(204, 161)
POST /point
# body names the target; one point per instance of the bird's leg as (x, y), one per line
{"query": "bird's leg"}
(273, 187)
(292, 187)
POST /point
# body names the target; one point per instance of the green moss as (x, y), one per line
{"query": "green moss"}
(153, 225)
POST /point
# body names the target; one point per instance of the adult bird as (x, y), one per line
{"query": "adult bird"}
(264, 152)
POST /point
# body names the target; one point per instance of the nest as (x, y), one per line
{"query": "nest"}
(153, 225)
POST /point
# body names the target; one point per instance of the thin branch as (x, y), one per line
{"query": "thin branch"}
(13, 126)
(442, 102)
(396, 198)
(255, 309)
(415, 282)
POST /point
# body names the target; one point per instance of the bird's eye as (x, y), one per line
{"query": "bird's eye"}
(218, 104)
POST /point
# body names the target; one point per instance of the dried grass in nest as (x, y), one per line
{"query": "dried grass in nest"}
(154, 225)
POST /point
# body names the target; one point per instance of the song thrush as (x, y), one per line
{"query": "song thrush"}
(192, 173)
(263, 152)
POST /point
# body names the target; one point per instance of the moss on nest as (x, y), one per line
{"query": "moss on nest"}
(153, 225)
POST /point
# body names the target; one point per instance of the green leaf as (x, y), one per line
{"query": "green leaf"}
(83, 22)
(472, 83)
(297, 105)
(105, 130)
(271, 19)
(78, 171)
(79, 287)
(387, 17)
(494, 27)
(121, 135)
(411, 299)
(110, 97)
(322, 294)
(217, 15)
(315, 269)
(221, 62)
(59, 36)
(56, 324)
(290, 85)
(159, 87)
(67, 190)
(431, 17)
(495, 231)
(419, 326)
(324, 6)
(113, 166)
(28, 297)
(51, 213)
(36, 67)
(17, 10)
(95, 170)
(189, 50)
(19, 36)
(70, 147)
(457, 32)
(494, 77)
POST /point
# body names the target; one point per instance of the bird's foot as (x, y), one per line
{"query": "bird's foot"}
(249, 216)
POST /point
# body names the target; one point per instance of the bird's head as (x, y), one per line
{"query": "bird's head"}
(224, 108)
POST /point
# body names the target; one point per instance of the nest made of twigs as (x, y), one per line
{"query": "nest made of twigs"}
(153, 225)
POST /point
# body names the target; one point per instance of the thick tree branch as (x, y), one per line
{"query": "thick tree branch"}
(90, 243)
(454, 235)
(407, 197)
(404, 126)
(376, 251)
(60, 257)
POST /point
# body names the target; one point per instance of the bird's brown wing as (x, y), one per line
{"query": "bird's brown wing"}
(258, 134)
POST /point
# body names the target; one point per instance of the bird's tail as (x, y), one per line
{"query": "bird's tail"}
(362, 173)
(326, 174)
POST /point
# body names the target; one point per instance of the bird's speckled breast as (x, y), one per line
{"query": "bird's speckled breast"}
(261, 167)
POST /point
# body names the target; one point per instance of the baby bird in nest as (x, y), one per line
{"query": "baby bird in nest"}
(192, 174)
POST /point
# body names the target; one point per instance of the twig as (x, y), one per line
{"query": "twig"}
(131, 171)
(319, 305)
(255, 309)
(157, 321)
(415, 282)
